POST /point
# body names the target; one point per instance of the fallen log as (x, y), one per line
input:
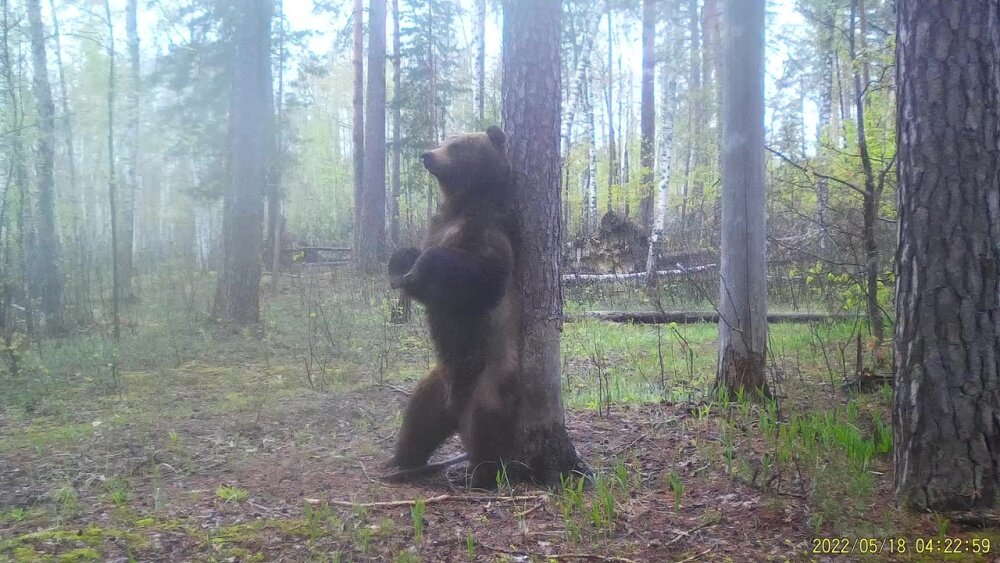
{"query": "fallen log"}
(571, 279)
(690, 317)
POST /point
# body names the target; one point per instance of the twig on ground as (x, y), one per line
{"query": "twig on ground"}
(430, 500)
(558, 556)
(629, 445)
(693, 557)
(530, 510)
(688, 533)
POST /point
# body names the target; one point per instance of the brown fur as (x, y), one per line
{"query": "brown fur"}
(464, 278)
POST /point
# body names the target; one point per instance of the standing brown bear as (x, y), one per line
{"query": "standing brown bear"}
(464, 278)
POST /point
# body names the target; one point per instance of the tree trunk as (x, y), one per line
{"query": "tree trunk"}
(131, 163)
(275, 209)
(372, 242)
(946, 418)
(47, 255)
(871, 197)
(82, 305)
(692, 182)
(611, 121)
(590, 178)
(647, 111)
(397, 136)
(743, 299)
(668, 87)
(480, 91)
(251, 146)
(358, 125)
(13, 276)
(531, 98)
(116, 294)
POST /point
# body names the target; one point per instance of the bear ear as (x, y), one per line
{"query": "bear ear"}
(497, 136)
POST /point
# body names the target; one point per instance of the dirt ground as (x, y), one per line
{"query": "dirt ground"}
(209, 447)
(112, 484)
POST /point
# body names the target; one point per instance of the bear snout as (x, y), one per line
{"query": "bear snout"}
(428, 158)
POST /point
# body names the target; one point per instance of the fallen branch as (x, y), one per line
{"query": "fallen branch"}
(428, 500)
(558, 556)
(572, 279)
(689, 317)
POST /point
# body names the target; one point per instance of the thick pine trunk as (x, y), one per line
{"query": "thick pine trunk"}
(946, 420)
(531, 99)
(251, 146)
(372, 244)
(47, 255)
(743, 299)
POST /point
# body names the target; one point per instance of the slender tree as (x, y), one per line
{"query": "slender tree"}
(743, 300)
(946, 442)
(611, 121)
(275, 192)
(251, 144)
(82, 295)
(47, 252)
(872, 188)
(397, 126)
(479, 96)
(531, 99)
(358, 125)
(665, 145)
(647, 112)
(131, 164)
(372, 241)
(116, 294)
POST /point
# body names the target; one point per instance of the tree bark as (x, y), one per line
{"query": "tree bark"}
(47, 254)
(83, 310)
(116, 294)
(372, 242)
(275, 209)
(397, 136)
(743, 299)
(946, 418)
(647, 110)
(668, 87)
(872, 195)
(131, 163)
(531, 100)
(480, 91)
(358, 124)
(590, 178)
(251, 147)
(611, 121)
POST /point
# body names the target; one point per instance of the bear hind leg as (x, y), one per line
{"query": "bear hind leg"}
(428, 421)
(488, 431)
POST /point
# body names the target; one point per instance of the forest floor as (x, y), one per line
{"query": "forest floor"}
(187, 443)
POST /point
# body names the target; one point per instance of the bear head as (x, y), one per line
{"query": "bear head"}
(472, 167)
